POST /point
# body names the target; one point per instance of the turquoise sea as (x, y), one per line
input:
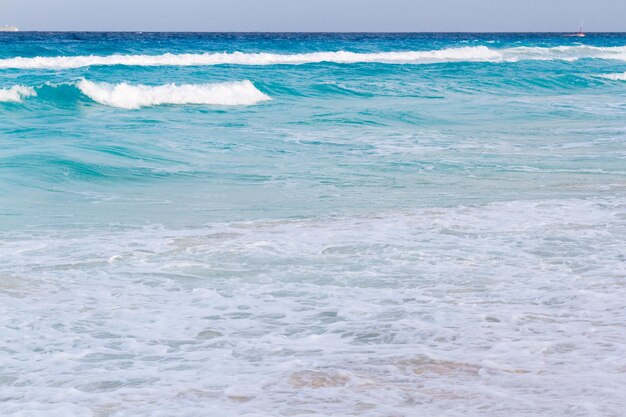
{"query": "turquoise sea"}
(312, 224)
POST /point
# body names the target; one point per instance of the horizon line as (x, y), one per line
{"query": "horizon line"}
(304, 32)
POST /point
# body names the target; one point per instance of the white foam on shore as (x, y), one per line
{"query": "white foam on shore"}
(452, 308)
(16, 93)
(463, 54)
(129, 96)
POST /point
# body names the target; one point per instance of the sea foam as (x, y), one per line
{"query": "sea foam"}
(16, 93)
(129, 96)
(614, 77)
(464, 54)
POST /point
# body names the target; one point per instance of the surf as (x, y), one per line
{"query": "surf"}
(614, 77)
(463, 54)
(128, 96)
(16, 93)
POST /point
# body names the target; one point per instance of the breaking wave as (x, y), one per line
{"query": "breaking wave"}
(464, 54)
(16, 93)
(128, 96)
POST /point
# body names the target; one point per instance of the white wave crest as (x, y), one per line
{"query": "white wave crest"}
(128, 96)
(16, 93)
(480, 53)
(614, 77)
(465, 54)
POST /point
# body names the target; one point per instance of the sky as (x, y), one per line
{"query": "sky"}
(316, 15)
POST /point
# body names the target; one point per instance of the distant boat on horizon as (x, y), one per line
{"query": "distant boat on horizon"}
(579, 34)
(8, 28)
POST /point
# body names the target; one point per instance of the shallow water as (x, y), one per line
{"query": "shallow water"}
(283, 225)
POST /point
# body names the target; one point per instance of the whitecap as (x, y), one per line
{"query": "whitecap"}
(461, 54)
(614, 77)
(127, 96)
(479, 53)
(16, 93)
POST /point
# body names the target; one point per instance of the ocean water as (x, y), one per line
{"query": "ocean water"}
(312, 224)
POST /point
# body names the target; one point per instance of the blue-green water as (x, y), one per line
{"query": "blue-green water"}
(287, 224)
